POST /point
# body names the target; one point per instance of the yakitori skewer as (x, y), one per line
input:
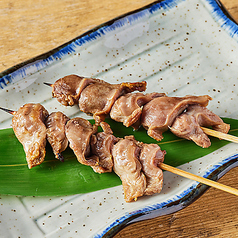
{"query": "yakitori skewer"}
(205, 142)
(179, 172)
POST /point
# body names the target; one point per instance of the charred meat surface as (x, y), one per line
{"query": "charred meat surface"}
(187, 125)
(127, 166)
(30, 130)
(79, 132)
(67, 90)
(55, 133)
(159, 114)
(150, 157)
(101, 146)
(128, 108)
(97, 99)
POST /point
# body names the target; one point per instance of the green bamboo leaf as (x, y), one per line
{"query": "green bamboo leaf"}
(55, 178)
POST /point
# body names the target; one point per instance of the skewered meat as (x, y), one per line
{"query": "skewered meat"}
(159, 114)
(155, 112)
(98, 98)
(127, 166)
(30, 130)
(55, 133)
(101, 146)
(127, 109)
(91, 148)
(94, 96)
(67, 90)
(150, 157)
(187, 125)
(79, 132)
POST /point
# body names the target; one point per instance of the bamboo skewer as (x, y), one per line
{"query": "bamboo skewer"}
(220, 135)
(200, 179)
(8, 110)
(48, 84)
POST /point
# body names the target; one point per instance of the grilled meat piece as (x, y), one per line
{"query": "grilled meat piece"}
(187, 125)
(150, 157)
(30, 130)
(127, 166)
(67, 90)
(128, 108)
(159, 114)
(101, 146)
(79, 132)
(55, 133)
(98, 98)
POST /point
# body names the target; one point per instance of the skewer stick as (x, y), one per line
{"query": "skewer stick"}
(48, 84)
(220, 135)
(199, 179)
(8, 110)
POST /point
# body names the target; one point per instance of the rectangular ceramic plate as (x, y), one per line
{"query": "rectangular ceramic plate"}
(179, 47)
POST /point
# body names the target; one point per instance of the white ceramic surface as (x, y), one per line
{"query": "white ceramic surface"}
(179, 47)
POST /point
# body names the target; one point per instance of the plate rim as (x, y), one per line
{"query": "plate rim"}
(222, 16)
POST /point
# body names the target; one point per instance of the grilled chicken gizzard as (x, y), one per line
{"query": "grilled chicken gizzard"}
(55, 133)
(101, 145)
(30, 130)
(91, 148)
(67, 90)
(79, 132)
(188, 125)
(150, 157)
(129, 169)
(137, 165)
(159, 114)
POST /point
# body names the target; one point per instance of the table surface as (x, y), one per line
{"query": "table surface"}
(32, 27)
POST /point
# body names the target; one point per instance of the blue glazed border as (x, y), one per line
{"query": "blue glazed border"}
(223, 18)
(38, 63)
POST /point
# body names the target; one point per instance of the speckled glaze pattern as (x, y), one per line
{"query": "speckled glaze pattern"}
(179, 47)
